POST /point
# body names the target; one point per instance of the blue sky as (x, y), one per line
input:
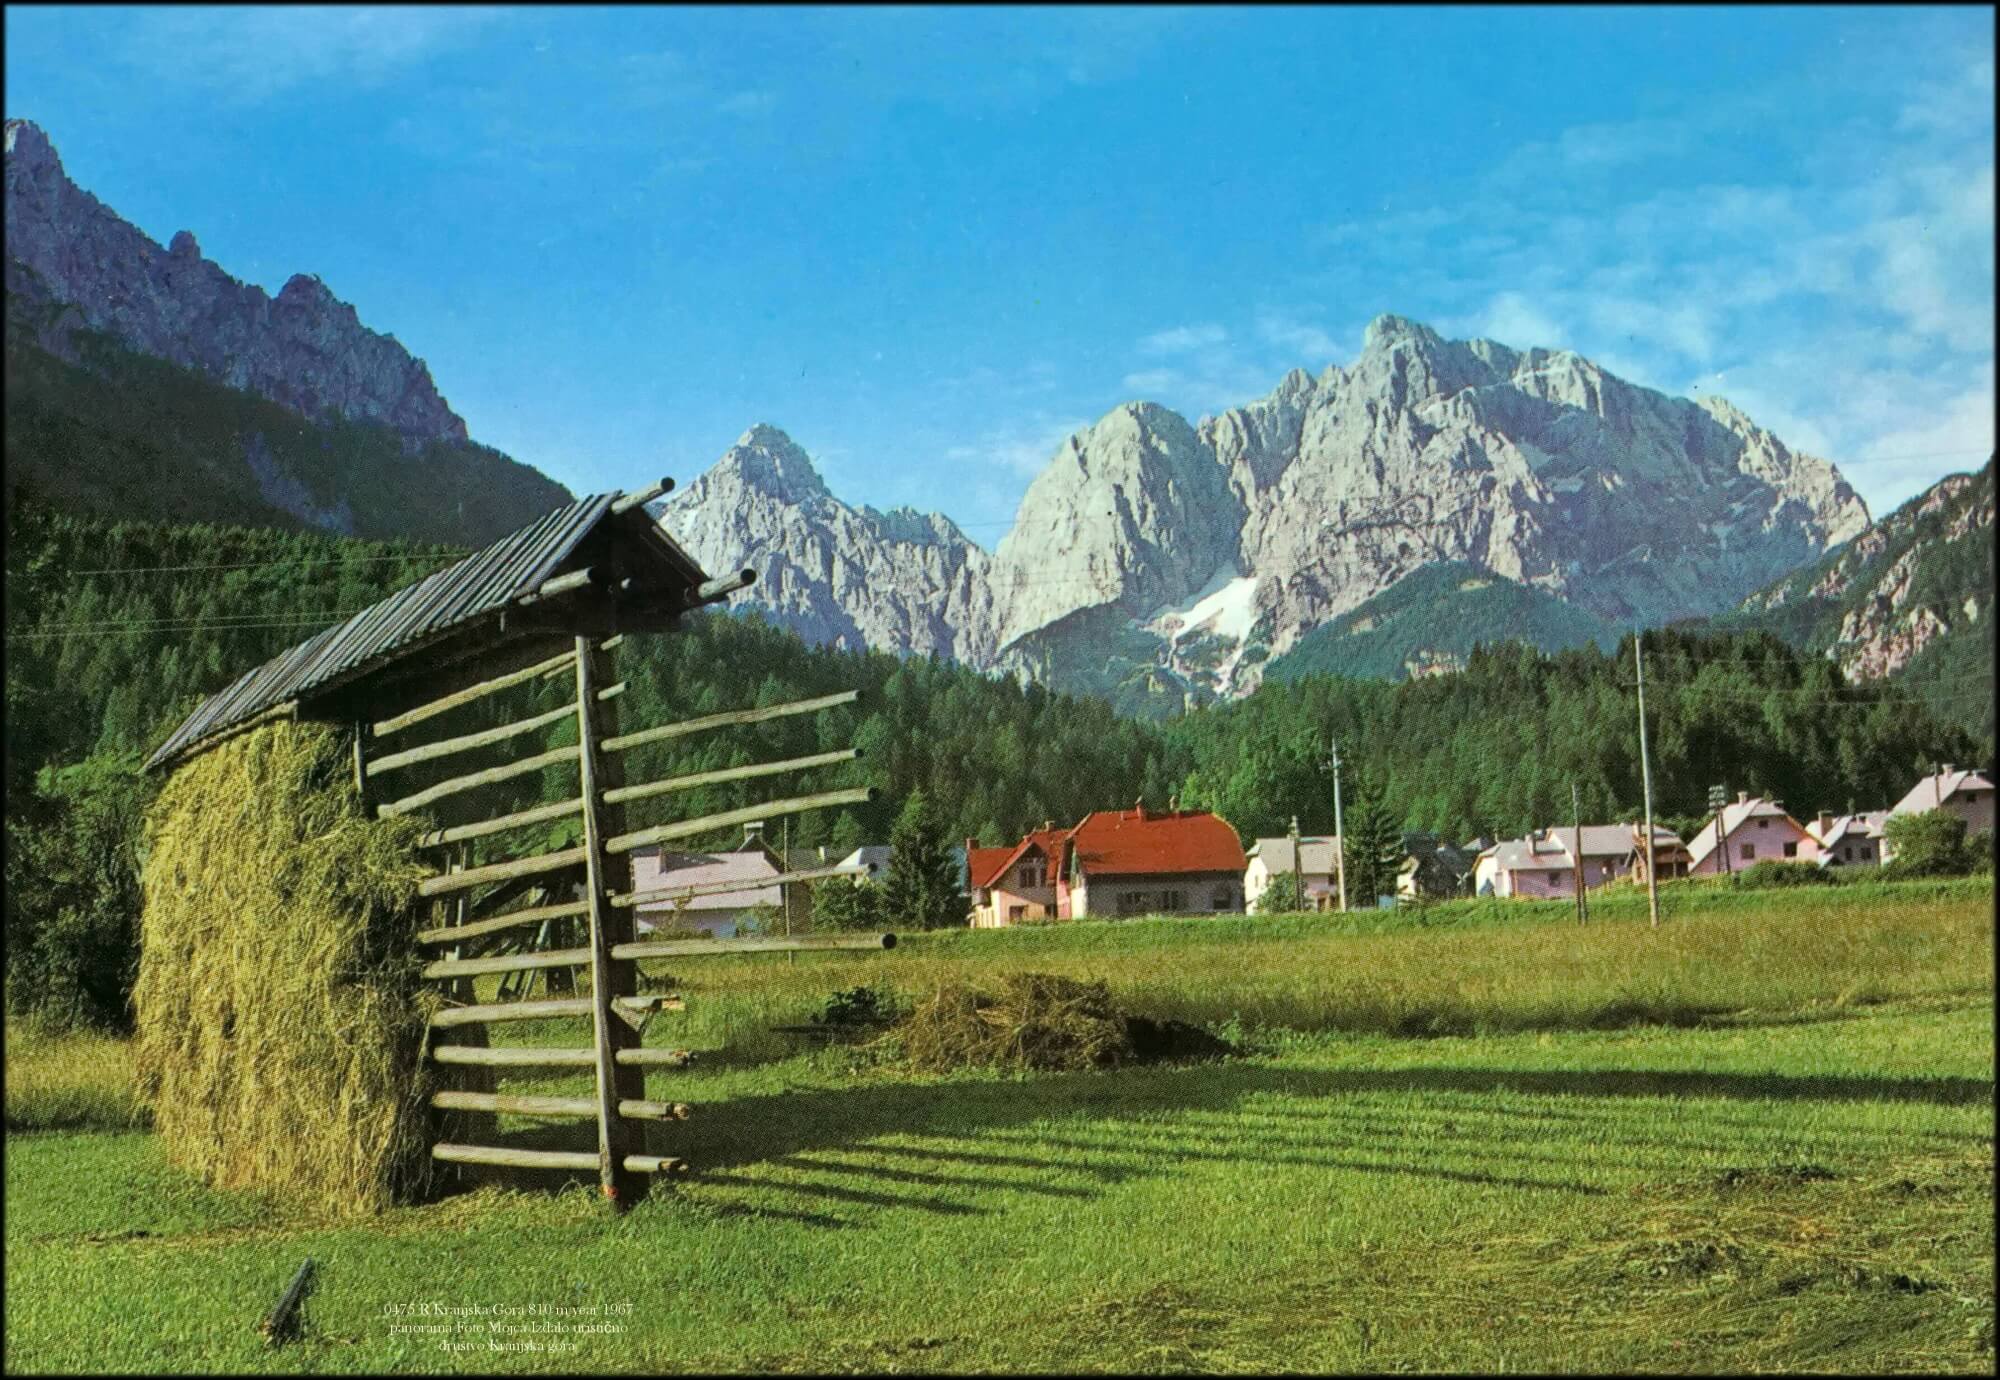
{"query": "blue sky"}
(930, 244)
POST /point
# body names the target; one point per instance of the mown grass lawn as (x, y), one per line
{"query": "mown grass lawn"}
(1805, 1184)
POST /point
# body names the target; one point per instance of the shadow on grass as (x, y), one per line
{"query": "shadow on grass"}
(1092, 1126)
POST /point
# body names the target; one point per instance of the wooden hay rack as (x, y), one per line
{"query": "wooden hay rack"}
(594, 575)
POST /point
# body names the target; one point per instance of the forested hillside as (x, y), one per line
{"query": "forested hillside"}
(1431, 619)
(122, 435)
(1909, 600)
(115, 630)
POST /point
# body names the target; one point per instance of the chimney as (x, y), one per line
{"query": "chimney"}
(1139, 808)
(1947, 769)
(1743, 797)
(1048, 826)
(1825, 824)
(753, 834)
(822, 852)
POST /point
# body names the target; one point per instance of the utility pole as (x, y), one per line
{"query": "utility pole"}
(1646, 779)
(1298, 881)
(1576, 822)
(1339, 830)
(1718, 801)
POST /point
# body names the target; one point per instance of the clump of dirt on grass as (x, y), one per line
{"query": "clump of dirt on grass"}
(279, 1023)
(1039, 1021)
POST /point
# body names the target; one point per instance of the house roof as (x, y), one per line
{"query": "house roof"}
(1555, 847)
(1316, 854)
(417, 615)
(873, 854)
(1866, 825)
(1733, 817)
(988, 865)
(1937, 788)
(692, 869)
(1142, 842)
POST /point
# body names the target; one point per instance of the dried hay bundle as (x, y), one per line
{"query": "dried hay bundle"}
(279, 1019)
(1035, 1021)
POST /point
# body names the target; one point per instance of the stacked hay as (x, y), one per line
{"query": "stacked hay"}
(1040, 1021)
(280, 1026)
(1034, 1021)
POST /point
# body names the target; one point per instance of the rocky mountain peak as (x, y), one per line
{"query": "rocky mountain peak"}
(305, 349)
(765, 459)
(26, 141)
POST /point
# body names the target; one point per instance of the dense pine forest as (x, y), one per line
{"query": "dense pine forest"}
(115, 630)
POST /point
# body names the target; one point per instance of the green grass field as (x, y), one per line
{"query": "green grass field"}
(1758, 1138)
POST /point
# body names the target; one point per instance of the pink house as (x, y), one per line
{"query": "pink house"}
(1021, 881)
(1749, 830)
(1544, 864)
(752, 863)
(1967, 794)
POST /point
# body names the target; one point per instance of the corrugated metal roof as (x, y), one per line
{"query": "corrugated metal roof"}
(486, 580)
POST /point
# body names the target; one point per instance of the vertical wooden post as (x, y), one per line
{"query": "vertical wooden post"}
(610, 978)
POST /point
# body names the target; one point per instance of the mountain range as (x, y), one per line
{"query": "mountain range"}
(1162, 563)
(1378, 518)
(147, 382)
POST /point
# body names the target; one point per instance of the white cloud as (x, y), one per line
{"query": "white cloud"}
(1182, 340)
(251, 53)
(1314, 348)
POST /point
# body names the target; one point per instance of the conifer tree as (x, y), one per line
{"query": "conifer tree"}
(923, 888)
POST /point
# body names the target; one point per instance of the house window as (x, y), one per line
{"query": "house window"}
(1791, 850)
(1848, 852)
(1014, 913)
(1763, 824)
(1173, 900)
(1746, 851)
(1222, 899)
(1131, 902)
(1034, 872)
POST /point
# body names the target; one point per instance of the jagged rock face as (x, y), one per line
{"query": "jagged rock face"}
(1133, 512)
(851, 577)
(1888, 611)
(1536, 465)
(1222, 546)
(304, 348)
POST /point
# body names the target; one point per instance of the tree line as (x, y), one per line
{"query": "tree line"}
(116, 630)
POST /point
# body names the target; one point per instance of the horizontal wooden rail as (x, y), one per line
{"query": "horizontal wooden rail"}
(720, 774)
(612, 692)
(702, 824)
(727, 719)
(541, 814)
(452, 934)
(562, 584)
(507, 963)
(512, 1056)
(472, 780)
(637, 1109)
(545, 1010)
(681, 948)
(500, 872)
(471, 693)
(446, 747)
(694, 889)
(640, 497)
(551, 1159)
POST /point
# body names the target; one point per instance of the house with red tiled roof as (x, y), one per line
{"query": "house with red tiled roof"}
(1113, 863)
(1016, 882)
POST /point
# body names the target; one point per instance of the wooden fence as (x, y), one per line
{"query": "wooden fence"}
(513, 914)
